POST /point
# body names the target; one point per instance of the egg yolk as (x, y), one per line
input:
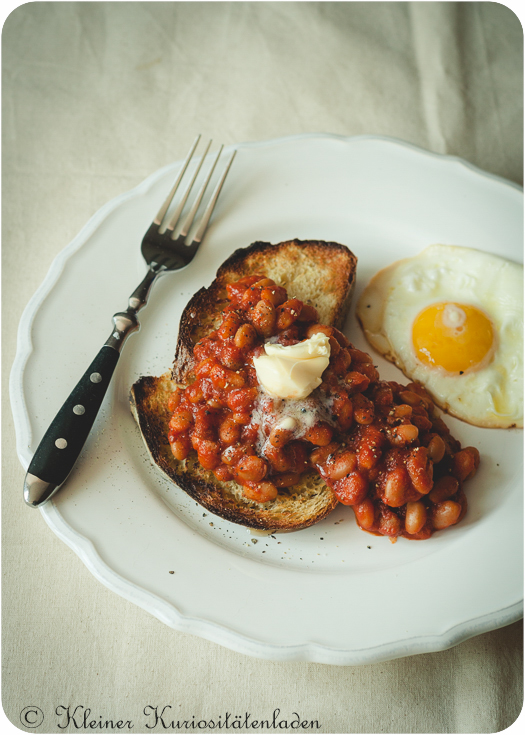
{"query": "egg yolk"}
(454, 337)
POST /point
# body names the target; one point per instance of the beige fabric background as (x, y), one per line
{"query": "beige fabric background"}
(96, 96)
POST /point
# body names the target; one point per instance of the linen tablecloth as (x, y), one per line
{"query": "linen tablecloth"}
(96, 96)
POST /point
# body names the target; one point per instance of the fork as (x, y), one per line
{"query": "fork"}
(163, 251)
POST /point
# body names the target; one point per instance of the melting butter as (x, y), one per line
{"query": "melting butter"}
(293, 371)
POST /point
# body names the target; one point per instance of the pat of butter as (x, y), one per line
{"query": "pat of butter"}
(294, 371)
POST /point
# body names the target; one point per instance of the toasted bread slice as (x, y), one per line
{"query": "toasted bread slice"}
(318, 273)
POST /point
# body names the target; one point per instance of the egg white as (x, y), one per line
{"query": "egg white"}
(490, 396)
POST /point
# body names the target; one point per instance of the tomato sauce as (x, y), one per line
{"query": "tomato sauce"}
(377, 444)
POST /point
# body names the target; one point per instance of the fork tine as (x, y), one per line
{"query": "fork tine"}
(180, 207)
(193, 211)
(211, 204)
(162, 211)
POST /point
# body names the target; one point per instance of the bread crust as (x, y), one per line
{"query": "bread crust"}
(290, 264)
(319, 273)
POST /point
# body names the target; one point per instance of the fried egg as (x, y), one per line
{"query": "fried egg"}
(451, 318)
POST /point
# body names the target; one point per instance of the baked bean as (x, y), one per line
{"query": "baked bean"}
(181, 447)
(250, 297)
(229, 431)
(174, 399)
(236, 290)
(383, 397)
(404, 434)
(263, 492)
(288, 313)
(320, 434)
(319, 456)
(250, 433)
(279, 436)
(415, 518)
(241, 399)
(194, 392)
(289, 336)
(205, 367)
(245, 336)
(443, 489)
(342, 362)
(209, 454)
(365, 513)
(389, 523)
(359, 357)
(204, 415)
(445, 514)
(288, 479)
(276, 295)
(352, 489)
(231, 356)
(242, 417)
(264, 283)
(222, 473)
(370, 371)
(308, 314)
(196, 440)
(229, 326)
(373, 474)
(335, 347)
(251, 469)
(408, 396)
(221, 377)
(344, 411)
(204, 428)
(203, 349)
(340, 337)
(277, 458)
(396, 487)
(297, 456)
(263, 318)
(403, 411)
(369, 452)
(357, 382)
(420, 470)
(422, 422)
(319, 328)
(465, 463)
(436, 449)
(440, 426)
(422, 393)
(363, 409)
(234, 379)
(342, 465)
(181, 421)
(232, 455)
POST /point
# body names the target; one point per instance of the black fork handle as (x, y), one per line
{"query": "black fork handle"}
(62, 443)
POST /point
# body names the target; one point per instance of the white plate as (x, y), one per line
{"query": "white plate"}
(331, 593)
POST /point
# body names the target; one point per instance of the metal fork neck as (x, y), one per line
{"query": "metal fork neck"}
(140, 295)
(126, 322)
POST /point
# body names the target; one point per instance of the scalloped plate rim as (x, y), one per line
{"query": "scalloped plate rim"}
(152, 603)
